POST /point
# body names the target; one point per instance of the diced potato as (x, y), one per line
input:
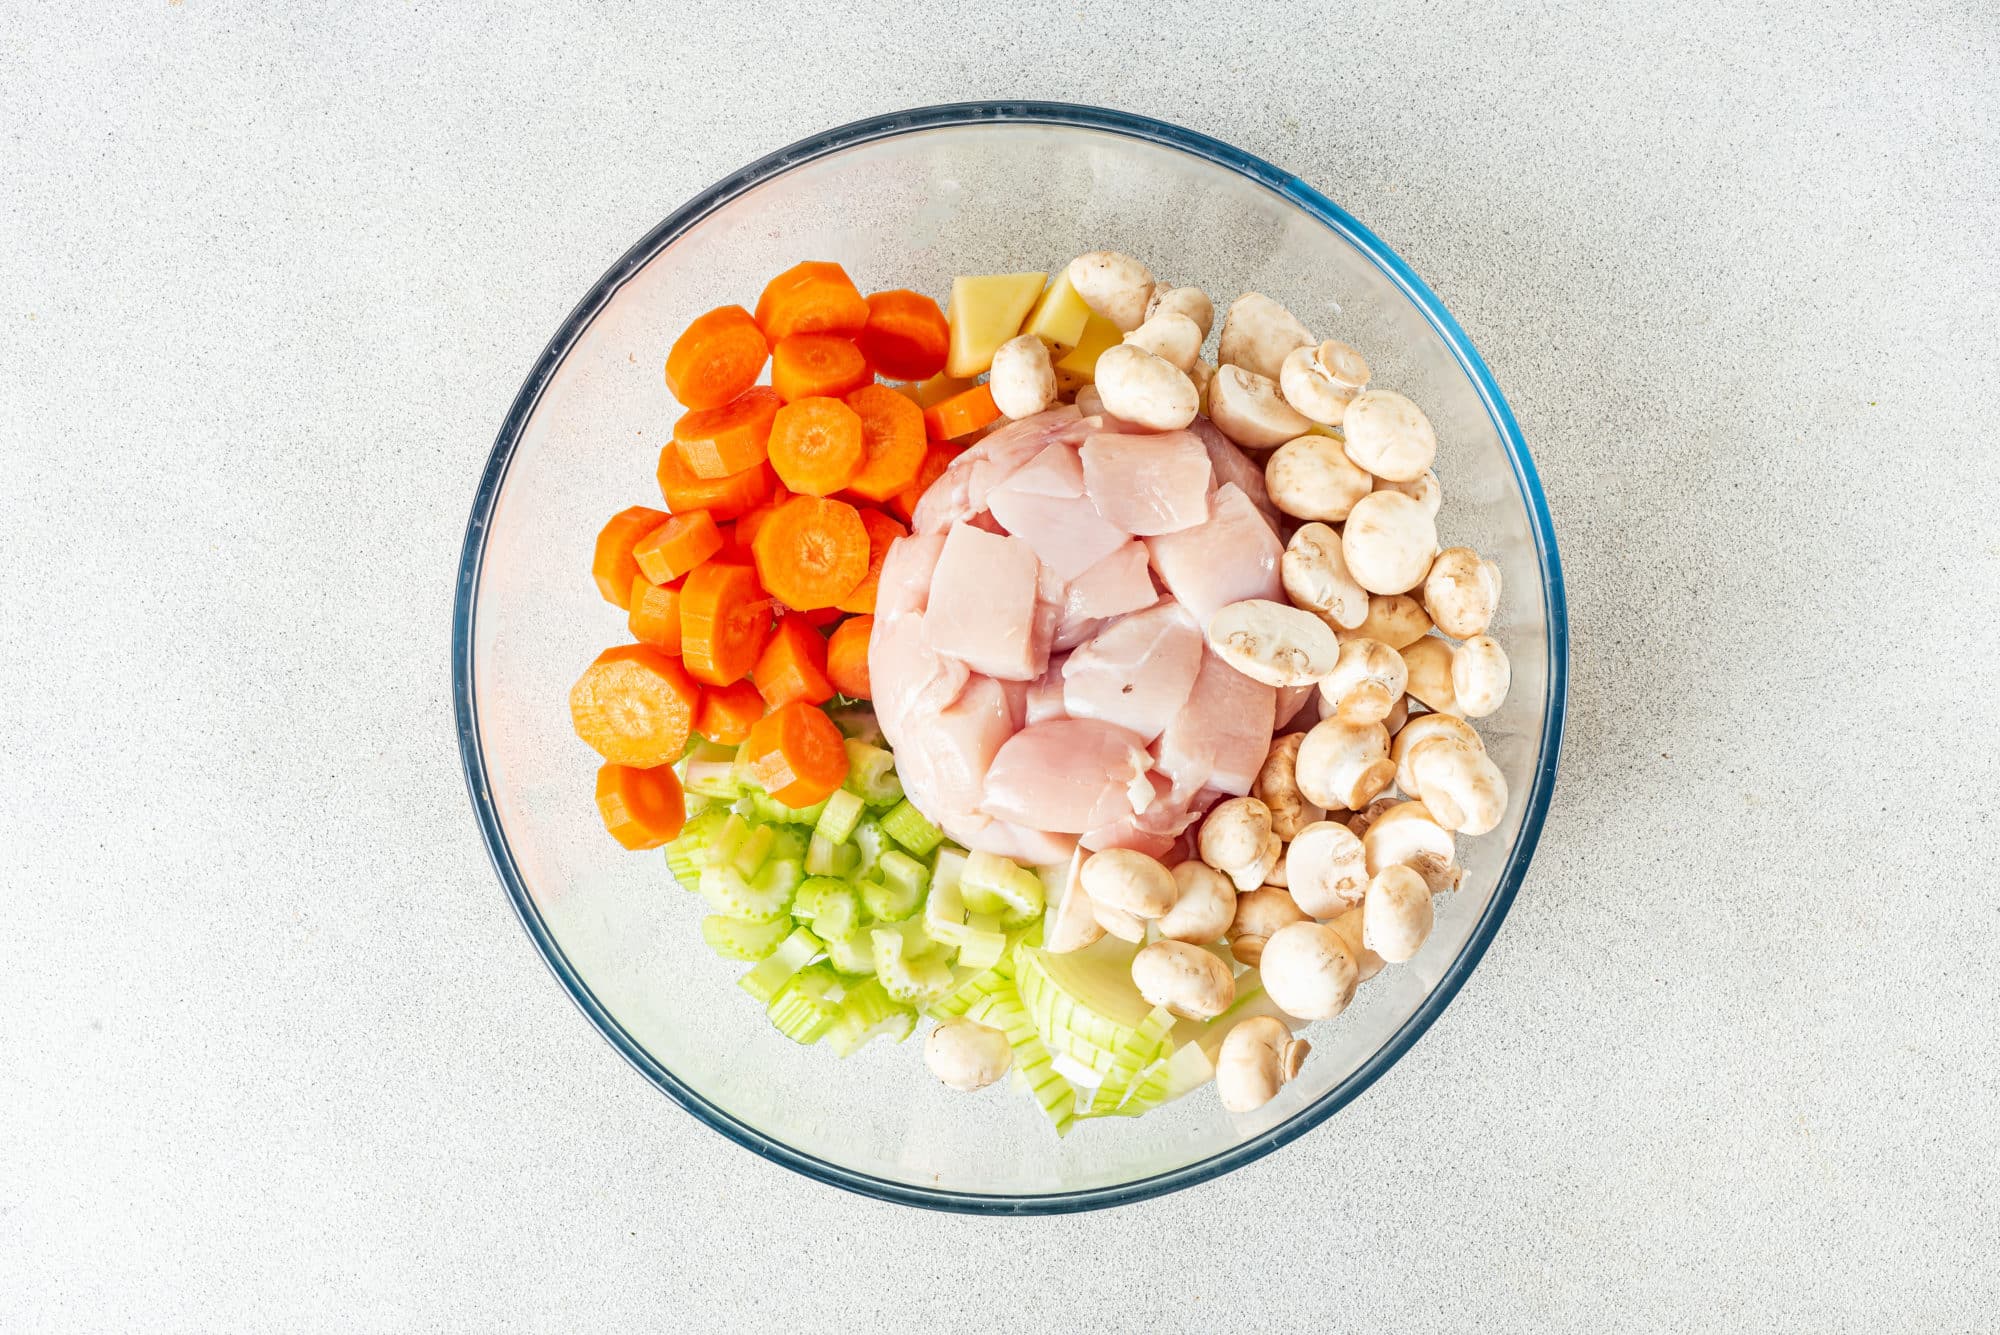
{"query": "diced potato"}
(985, 311)
(1098, 334)
(941, 387)
(1059, 317)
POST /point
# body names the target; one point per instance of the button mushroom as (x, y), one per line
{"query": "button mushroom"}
(1325, 869)
(1422, 729)
(1154, 393)
(1277, 787)
(1314, 572)
(1170, 336)
(1460, 785)
(1320, 382)
(1246, 408)
(1090, 401)
(1201, 373)
(1366, 681)
(1396, 916)
(1257, 335)
(1361, 821)
(967, 1055)
(1480, 675)
(1389, 542)
(1189, 981)
(1311, 477)
(1237, 840)
(1388, 435)
(1348, 925)
(1341, 766)
(1023, 380)
(1425, 490)
(1116, 286)
(1256, 1059)
(1462, 592)
(1118, 922)
(1429, 663)
(1396, 619)
(1128, 880)
(1189, 301)
(1399, 714)
(1405, 834)
(1308, 971)
(1272, 642)
(1203, 908)
(1260, 915)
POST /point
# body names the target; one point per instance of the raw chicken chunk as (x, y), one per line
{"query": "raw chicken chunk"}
(1043, 505)
(1220, 738)
(1148, 484)
(962, 491)
(1067, 776)
(1137, 672)
(982, 604)
(1231, 556)
(1120, 583)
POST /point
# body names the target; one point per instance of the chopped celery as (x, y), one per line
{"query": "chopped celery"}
(756, 848)
(769, 977)
(831, 906)
(993, 884)
(907, 826)
(712, 778)
(684, 853)
(869, 843)
(1055, 1095)
(871, 774)
(736, 939)
(907, 975)
(975, 986)
(1084, 1005)
(978, 949)
(868, 1012)
(771, 809)
(801, 1010)
(727, 841)
(891, 901)
(852, 954)
(947, 869)
(767, 896)
(826, 858)
(839, 815)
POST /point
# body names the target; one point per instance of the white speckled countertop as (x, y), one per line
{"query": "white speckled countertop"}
(274, 1054)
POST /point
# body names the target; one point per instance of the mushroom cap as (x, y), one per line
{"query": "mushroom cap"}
(1421, 729)
(1259, 914)
(1461, 592)
(1311, 477)
(1406, 834)
(1462, 787)
(1023, 379)
(1315, 576)
(1151, 391)
(1277, 787)
(1366, 681)
(1189, 301)
(1342, 765)
(1480, 676)
(967, 1055)
(1190, 982)
(1326, 869)
(1425, 490)
(1396, 916)
(1114, 285)
(1258, 333)
(1247, 408)
(1348, 925)
(1125, 878)
(1254, 1062)
(1272, 642)
(1204, 907)
(1389, 541)
(1170, 336)
(1429, 662)
(1308, 971)
(1388, 435)
(1396, 619)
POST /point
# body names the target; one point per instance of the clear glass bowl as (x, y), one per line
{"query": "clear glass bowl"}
(908, 200)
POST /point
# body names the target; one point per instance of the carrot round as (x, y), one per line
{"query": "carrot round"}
(655, 614)
(613, 566)
(724, 619)
(892, 434)
(747, 526)
(717, 358)
(882, 530)
(907, 337)
(677, 546)
(847, 657)
(817, 446)
(634, 706)
(795, 753)
(723, 497)
(815, 297)
(643, 808)
(819, 618)
(727, 712)
(961, 414)
(937, 458)
(811, 552)
(715, 442)
(805, 365)
(793, 665)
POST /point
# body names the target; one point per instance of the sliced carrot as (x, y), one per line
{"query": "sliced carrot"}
(811, 552)
(613, 566)
(816, 297)
(882, 530)
(725, 617)
(937, 458)
(677, 546)
(817, 446)
(655, 615)
(907, 337)
(892, 433)
(727, 712)
(819, 618)
(717, 358)
(961, 414)
(795, 754)
(723, 497)
(747, 526)
(634, 705)
(805, 365)
(793, 665)
(847, 657)
(715, 442)
(643, 808)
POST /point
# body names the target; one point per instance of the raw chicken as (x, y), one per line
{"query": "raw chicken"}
(1137, 672)
(1120, 583)
(1231, 556)
(1232, 465)
(1043, 505)
(943, 759)
(982, 604)
(961, 493)
(1068, 776)
(1220, 738)
(1148, 484)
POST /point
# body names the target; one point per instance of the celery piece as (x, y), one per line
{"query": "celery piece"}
(771, 809)
(685, 852)
(826, 858)
(755, 849)
(907, 826)
(871, 774)
(891, 902)
(947, 868)
(762, 899)
(853, 954)
(727, 842)
(831, 906)
(979, 949)
(839, 815)
(805, 1007)
(993, 884)
(869, 843)
(1052, 1093)
(868, 1012)
(737, 939)
(770, 976)
(907, 975)
(712, 778)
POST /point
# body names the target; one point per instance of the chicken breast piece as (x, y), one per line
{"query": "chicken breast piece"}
(905, 583)
(1122, 582)
(1137, 672)
(962, 491)
(1150, 484)
(908, 679)
(1233, 467)
(1066, 776)
(982, 605)
(1231, 556)
(944, 757)
(1220, 738)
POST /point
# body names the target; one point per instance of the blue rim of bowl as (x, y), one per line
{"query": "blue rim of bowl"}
(1013, 113)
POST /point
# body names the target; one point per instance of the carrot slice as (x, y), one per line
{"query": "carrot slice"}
(819, 618)
(717, 358)
(795, 754)
(655, 616)
(723, 497)
(727, 712)
(747, 526)
(724, 619)
(805, 365)
(817, 445)
(907, 337)
(677, 546)
(937, 458)
(847, 657)
(811, 552)
(816, 297)
(961, 414)
(643, 808)
(892, 433)
(882, 530)
(793, 665)
(715, 442)
(613, 566)
(634, 706)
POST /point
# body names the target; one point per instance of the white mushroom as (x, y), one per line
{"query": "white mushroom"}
(967, 1055)
(1189, 301)
(1349, 926)
(1396, 619)
(1366, 681)
(1388, 435)
(1273, 642)
(1326, 869)
(1190, 982)
(1246, 408)
(1429, 662)
(1361, 821)
(1396, 916)
(1203, 908)
(1023, 381)
(1256, 1059)
(1260, 915)
(1118, 922)
(1116, 286)
(1422, 729)
(1236, 839)
(1425, 490)
(1200, 374)
(1480, 675)
(1090, 401)
(1170, 336)
(1074, 923)
(1127, 879)
(1257, 335)
(1461, 786)
(1399, 714)
(1320, 382)
(1388, 541)
(1407, 835)
(1461, 592)
(1314, 571)
(1277, 787)
(1311, 477)
(1134, 384)
(1308, 972)
(1342, 766)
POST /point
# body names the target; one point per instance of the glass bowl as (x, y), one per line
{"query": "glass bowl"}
(909, 200)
